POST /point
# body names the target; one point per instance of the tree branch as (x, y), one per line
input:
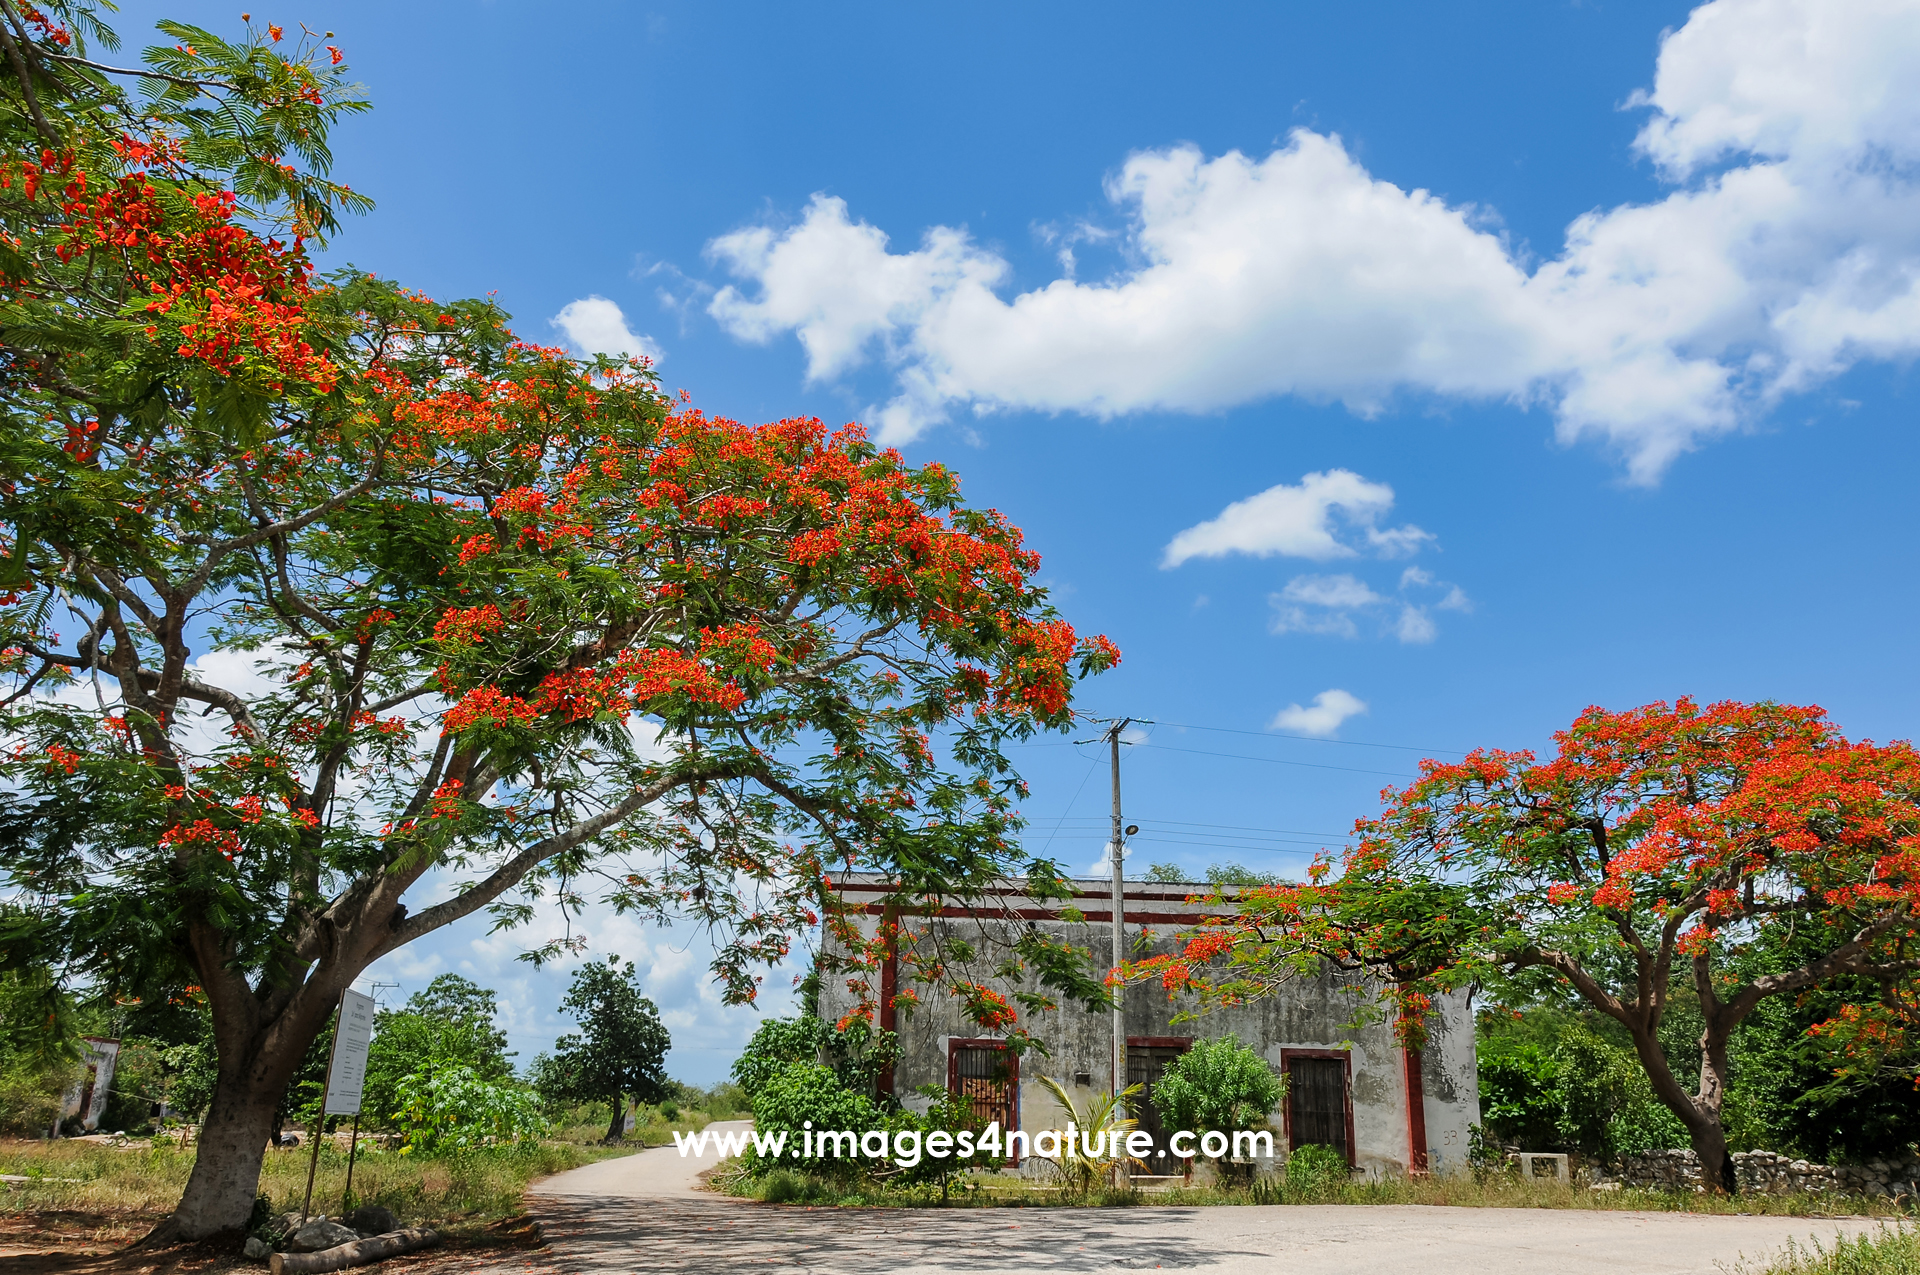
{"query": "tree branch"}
(18, 61)
(510, 873)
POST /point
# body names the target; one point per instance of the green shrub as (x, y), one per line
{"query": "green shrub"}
(802, 1092)
(856, 1052)
(450, 1107)
(1315, 1170)
(1572, 1090)
(1217, 1084)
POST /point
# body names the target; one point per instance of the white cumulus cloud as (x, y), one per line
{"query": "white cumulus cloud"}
(595, 325)
(1335, 605)
(1787, 251)
(1298, 522)
(1322, 719)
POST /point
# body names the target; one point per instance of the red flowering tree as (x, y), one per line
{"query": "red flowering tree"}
(336, 615)
(1667, 840)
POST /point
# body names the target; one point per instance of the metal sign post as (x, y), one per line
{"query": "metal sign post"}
(346, 1077)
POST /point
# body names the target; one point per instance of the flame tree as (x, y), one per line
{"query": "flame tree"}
(335, 615)
(1666, 840)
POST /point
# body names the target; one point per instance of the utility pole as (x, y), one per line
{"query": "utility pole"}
(1119, 940)
(1118, 918)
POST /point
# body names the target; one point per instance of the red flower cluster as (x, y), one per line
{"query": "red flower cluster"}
(465, 626)
(202, 833)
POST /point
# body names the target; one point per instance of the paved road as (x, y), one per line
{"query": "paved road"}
(644, 1214)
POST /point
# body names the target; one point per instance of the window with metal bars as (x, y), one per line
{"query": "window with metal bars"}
(987, 1075)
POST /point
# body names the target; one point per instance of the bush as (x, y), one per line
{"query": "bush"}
(802, 1092)
(1573, 1091)
(449, 1108)
(1217, 1084)
(856, 1052)
(31, 1094)
(1317, 1170)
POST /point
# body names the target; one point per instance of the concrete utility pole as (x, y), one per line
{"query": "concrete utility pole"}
(1119, 915)
(1119, 934)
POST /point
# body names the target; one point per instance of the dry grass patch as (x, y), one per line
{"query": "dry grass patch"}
(84, 1202)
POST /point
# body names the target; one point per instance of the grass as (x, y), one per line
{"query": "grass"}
(995, 1191)
(655, 1132)
(1890, 1251)
(458, 1191)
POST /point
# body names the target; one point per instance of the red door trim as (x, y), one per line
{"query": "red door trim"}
(1410, 1061)
(1346, 1090)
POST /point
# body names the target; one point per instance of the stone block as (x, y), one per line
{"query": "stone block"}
(318, 1234)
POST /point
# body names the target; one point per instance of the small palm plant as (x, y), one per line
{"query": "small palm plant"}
(1101, 1126)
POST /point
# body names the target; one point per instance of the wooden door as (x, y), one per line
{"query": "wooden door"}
(1317, 1103)
(1145, 1065)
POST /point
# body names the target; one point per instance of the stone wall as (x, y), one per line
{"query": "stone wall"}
(1767, 1172)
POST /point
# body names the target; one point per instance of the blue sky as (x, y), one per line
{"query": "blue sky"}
(1569, 343)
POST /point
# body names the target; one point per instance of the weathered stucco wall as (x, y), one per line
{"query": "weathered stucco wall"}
(1311, 1014)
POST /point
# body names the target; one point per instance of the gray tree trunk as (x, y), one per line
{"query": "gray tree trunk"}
(226, 1166)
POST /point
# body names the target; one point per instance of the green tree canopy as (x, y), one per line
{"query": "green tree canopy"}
(620, 1050)
(316, 588)
(449, 1022)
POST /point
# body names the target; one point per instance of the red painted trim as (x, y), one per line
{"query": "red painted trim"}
(1286, 1110)
(1165, 896)
(1161, 1042)
(1043, 914)
(1410, 1061)
(955, 1044)
(889, 989)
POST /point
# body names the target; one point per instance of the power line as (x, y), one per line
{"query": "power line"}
(1281, 761)
(1070, 804)
(1315, 739)
(1231, 827)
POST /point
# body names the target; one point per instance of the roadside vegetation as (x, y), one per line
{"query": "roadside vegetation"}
(784, 1186)
(450, 1134)
(1888, 1252)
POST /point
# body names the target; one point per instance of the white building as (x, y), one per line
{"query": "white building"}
(1388, 1109)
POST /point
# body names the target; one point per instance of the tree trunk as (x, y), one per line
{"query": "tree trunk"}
(1710, 1139)
(258, 1060)
(1701, 1114)
(617, 1128)
(226, 1167)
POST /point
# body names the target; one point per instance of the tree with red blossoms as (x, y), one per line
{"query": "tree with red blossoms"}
(336, 615)
(1666, 840)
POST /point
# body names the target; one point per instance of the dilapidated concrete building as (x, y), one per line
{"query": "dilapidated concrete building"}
(1389, 1110)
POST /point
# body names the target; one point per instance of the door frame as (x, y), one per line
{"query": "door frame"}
(1181, 1043)
(1346, 1091)
(957, 1043)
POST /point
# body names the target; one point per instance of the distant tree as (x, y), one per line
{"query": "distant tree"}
(620, 1051)
(1217, 1085)
(450, 1022)
(1166, 873)
(1665, 836)
(1238, 874)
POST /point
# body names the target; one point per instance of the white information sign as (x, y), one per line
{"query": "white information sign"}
(347, 1072)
